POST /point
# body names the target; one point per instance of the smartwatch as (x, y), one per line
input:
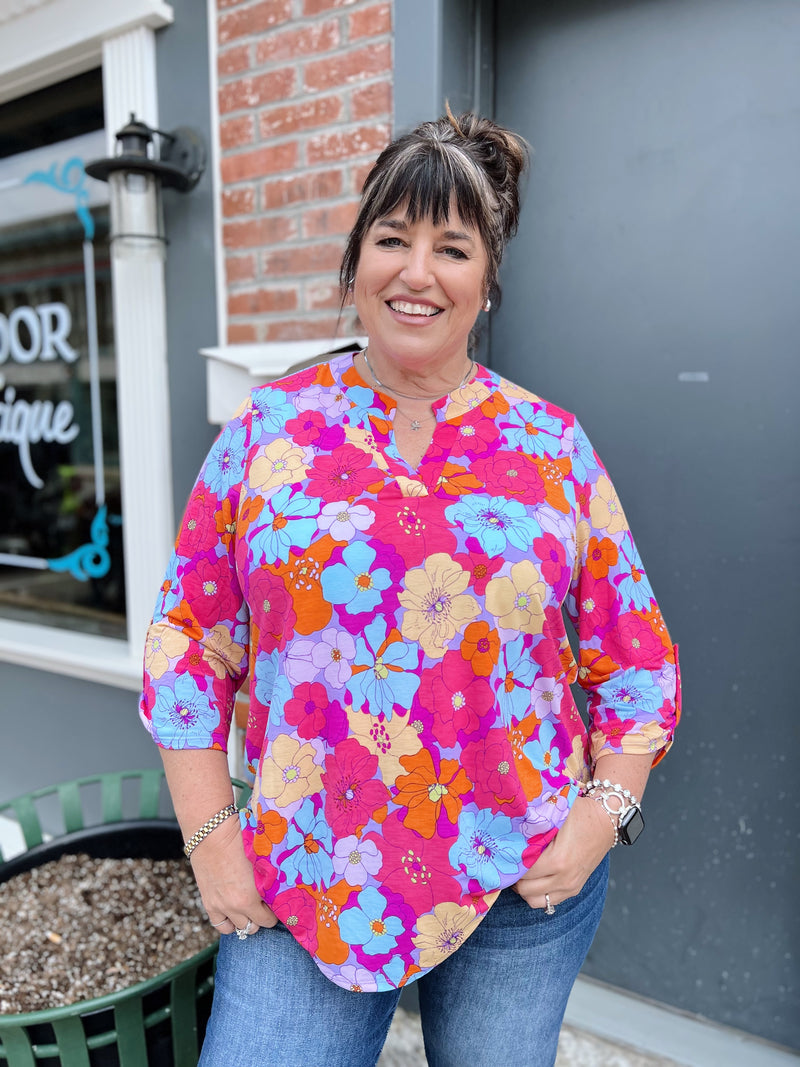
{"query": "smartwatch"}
(631, 824)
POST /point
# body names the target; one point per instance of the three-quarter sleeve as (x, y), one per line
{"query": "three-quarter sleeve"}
(627, 662)
(196, 652)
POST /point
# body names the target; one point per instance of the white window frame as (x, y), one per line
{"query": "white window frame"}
(44, 42)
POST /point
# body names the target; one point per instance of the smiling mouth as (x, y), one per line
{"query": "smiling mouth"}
(404, 308)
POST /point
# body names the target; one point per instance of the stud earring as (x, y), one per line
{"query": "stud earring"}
(487, 304)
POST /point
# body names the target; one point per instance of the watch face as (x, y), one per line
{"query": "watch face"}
(630, 826)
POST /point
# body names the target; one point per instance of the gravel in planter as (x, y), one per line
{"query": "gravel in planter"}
(79, 928)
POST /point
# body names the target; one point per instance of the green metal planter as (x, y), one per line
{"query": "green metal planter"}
(157, 1022)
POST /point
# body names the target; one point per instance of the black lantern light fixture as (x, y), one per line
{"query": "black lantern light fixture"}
(136, 174)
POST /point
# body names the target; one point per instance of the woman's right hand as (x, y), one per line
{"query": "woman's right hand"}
(225, 879)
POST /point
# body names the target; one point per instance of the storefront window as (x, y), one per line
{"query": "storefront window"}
(60, 517)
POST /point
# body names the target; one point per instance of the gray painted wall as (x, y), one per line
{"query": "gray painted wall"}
(57, 728)
(184, 100)
(662, 236)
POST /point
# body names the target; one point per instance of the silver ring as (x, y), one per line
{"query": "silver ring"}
(215, 925)
(549, 909)
(245, 932)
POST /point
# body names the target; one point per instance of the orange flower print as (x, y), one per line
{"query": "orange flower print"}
(225, 522)
(184, 618)
(331, 948)
(553, 472)
(600, 555)
(481, 647)
(270, 830)
(425, 793)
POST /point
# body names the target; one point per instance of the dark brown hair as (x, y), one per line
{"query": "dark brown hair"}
(468, 160)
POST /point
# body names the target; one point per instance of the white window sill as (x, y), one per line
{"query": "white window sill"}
(92, 659)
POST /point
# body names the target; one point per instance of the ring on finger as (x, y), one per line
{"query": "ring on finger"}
(549, 908)
(215, 925)
(244, 933)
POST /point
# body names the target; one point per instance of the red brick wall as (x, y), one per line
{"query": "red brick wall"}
(305, 102)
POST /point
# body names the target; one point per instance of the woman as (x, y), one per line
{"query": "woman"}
(385, 542)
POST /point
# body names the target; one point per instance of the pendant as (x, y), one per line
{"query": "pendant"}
(415, 424)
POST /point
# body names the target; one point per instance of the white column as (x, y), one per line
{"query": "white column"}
(140, 339)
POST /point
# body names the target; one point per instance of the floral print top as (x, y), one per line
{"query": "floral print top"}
(413, 739)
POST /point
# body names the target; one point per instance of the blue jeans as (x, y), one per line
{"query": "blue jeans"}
(497, 1002)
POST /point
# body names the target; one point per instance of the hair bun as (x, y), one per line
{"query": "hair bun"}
(504, 156)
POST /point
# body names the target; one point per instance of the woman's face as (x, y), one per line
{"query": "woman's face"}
(418, 289)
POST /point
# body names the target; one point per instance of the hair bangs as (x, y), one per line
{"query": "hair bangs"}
(429, 184)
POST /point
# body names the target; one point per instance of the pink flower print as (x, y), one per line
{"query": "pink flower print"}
(459, 699)
(198, 531)
(298, 913)
(475, 435)
(490, 764)
(597, 606)
(207, 588)
(632, 641)
(416, 868)
(270, 608)
(352, 791)
(512, 472)
(344, 475)
(306, 710)
(553, 562)
(480, 567)
(356, 860)
(306, 428)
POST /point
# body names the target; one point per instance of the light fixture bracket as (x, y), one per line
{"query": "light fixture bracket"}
(180, 163)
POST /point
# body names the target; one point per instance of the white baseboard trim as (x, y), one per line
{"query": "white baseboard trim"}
(624, 1018)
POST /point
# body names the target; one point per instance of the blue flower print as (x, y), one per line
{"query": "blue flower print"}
(362, 408)
(541, 751)
(386, 678)
(487, 847)
(225, 462)
(185, 715)
(352, 583)
(272, 409)
(494, 522)
(532, 430)
(311, 841)
(272, 689)
(581, 453)
(291, 523)
(634, 586)
(631, 693)
(514, 694)
(368, 925)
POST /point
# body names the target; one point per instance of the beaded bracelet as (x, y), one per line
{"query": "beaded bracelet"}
(605, 790)
(207, 827)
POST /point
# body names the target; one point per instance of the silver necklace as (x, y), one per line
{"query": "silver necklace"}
(415, 423)
(408, 396)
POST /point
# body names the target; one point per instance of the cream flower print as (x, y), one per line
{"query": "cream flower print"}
(163, 644)
(361, 438)
(411, 487)
(467, 399)
(289, 771)
(388, 739)
(223, 655)
(583, 534)
(517, 600)
(436, 606)
(443, 931)
(605, 508)
(281, 463)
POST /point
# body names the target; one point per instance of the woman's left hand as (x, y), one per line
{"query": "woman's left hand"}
(565, 865)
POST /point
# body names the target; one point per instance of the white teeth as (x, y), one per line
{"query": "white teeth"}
(413, 309)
